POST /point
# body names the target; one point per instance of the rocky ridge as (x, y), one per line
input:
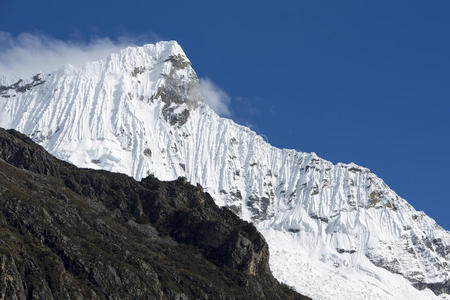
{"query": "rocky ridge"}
(139, 112)
(69, 233)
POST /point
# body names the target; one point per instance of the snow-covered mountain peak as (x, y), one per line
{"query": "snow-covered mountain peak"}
(152, 73)
(332, 229)
(132, 55)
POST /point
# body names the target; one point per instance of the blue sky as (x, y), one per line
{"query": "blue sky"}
(361, 81)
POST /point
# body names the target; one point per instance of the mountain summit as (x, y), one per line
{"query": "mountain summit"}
(334, 231)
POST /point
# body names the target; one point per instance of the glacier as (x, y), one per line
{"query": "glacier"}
(335, 231)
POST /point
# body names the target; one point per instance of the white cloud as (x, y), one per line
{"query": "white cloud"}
(215, 97)
(27, 53)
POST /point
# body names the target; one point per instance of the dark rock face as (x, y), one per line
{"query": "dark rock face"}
(69, 233)
(20, 86)
(258, 206)
(416, 278)
(340, 250)
(316, 217)
(438, 288)
(173, 94)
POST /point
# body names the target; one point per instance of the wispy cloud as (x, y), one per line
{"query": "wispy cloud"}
(215, 97)
(26, 54)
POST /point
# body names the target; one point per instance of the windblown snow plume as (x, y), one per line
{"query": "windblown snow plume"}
(27, 54)
(335, 231)
(215, 97)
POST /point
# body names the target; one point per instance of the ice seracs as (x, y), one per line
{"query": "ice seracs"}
(335, 231)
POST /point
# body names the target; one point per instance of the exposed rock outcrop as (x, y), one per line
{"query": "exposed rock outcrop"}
(69, 233)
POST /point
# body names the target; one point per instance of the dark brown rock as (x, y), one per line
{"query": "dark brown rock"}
(69, 233)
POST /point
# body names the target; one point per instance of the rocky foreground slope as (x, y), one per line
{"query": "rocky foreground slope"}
(140, 111)
(69, 233)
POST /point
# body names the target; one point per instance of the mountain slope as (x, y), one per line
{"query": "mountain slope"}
(140, 112)
(71, 233)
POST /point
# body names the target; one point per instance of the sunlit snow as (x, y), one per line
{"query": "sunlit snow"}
(328, 226)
